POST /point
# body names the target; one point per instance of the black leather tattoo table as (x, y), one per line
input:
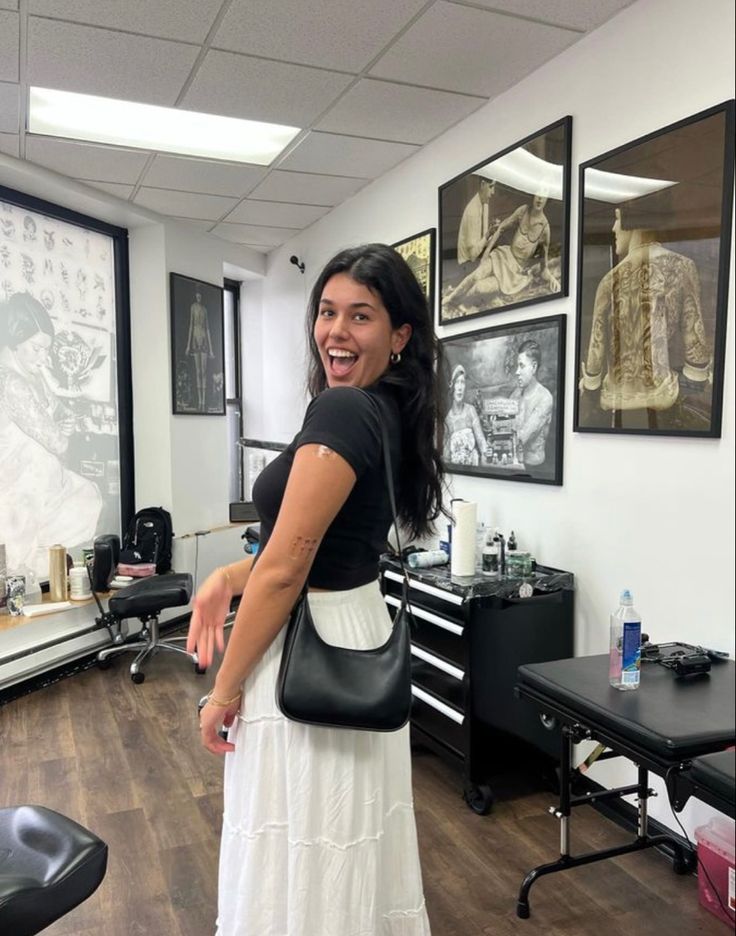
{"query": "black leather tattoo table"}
(663, 726)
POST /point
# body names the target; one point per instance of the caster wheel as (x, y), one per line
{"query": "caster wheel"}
(200, 670)
(479, 799)
(138, 678)
(104, 664)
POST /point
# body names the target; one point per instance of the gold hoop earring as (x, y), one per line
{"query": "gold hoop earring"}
(395, 357)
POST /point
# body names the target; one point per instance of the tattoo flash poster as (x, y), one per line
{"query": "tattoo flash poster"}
(59, 435)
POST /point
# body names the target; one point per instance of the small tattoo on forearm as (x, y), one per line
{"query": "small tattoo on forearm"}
(302, 547)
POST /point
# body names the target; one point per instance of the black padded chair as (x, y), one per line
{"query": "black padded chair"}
(49, 864)
(145, 600)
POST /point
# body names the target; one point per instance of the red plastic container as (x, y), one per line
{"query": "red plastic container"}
(716, 848)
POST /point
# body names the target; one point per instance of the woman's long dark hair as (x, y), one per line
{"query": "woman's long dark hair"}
(385, 272)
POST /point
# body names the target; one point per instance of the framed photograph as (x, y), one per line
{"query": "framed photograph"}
(66, 446)
(504, 401)
(655, 243)
(504, 228)
(197, 347)
(419, 253)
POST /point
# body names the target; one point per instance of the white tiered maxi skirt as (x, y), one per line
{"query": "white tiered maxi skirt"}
(318, 835)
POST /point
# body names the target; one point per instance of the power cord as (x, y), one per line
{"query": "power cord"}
(727, 910)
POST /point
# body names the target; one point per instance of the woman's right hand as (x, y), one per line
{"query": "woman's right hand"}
(207, 625)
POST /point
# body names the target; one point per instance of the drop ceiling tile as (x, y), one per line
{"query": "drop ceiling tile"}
(10, 144)
(242, 86)
(480, 52)
(275, 214)
(85, 160)
(9, 33)
(113, 188)
(9, 108)
(387, 111)
(306, 188)
(340, 155)
(201, 226)
(187, 20)
(201, 175)
(571, 13)
(112, 64)
(260, 248)
(254, 235)
(307, 32)
(8, 4)
(184, 204)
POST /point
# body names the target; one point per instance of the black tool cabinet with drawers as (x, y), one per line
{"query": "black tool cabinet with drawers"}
(468, 639)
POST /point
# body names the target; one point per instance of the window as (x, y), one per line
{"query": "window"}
(233, 385)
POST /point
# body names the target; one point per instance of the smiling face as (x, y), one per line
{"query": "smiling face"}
(32, 354)
(353, 333)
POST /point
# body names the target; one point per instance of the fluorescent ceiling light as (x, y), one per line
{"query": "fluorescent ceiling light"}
(615, 187)
(525, 172)
(146, 126)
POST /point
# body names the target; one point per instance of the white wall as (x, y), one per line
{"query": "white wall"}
(652, 514)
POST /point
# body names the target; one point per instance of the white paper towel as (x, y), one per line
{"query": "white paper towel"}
(462, 556)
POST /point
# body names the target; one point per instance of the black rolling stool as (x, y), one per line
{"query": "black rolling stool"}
(48, 865)
(145, 600)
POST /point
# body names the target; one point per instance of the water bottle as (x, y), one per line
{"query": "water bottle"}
(625, 657)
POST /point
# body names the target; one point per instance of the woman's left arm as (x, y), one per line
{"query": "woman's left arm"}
(319, 484)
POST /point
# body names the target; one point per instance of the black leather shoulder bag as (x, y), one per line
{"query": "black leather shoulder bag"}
(338, 687)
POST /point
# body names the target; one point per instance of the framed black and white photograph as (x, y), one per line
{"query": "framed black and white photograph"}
(504, 228)
(504, 401)
(66, 429)
(197, 347)
(655, 242)
(419, 253)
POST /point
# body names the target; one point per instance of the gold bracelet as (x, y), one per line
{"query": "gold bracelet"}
(211, 700)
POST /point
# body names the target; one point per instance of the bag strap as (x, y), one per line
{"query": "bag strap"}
(390, 486)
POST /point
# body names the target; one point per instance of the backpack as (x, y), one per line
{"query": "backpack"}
(148, 539)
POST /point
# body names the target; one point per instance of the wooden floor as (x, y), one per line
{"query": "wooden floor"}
(125, 761)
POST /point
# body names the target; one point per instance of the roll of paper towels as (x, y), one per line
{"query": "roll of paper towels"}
(462, 557)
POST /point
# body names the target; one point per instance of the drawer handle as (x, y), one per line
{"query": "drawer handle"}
(427, 616)
(437, 705)
(438, 663)
(429, 589)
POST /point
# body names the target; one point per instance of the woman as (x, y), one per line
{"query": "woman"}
(41, 501)
(318, 832)
(464, 443)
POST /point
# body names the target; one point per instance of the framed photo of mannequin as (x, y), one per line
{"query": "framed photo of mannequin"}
(504, 399)
(655, 248)
(504, 228)
(197, 347)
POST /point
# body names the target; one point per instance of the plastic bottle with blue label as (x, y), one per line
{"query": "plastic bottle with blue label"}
(625, 657)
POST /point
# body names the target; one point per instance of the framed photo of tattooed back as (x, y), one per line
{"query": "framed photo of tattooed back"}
(654, 252)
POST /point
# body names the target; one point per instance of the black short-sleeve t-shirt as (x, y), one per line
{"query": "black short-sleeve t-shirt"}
(348, 423)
